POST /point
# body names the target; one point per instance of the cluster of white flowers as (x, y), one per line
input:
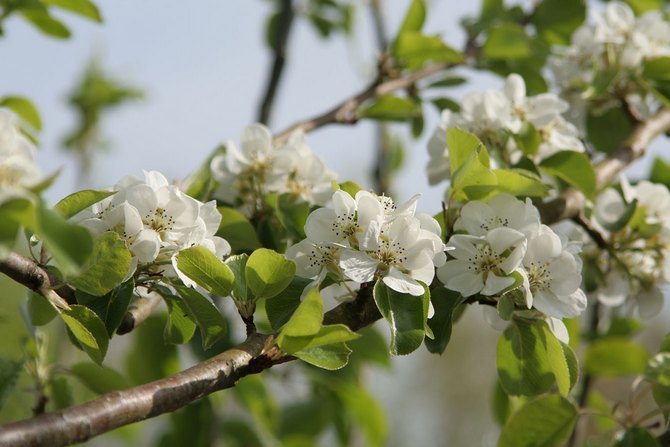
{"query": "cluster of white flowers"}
(616, 41)
(367, 237)
(642, 248)
(495, 116)
(156, 220)
(259, 167)
(503, 240)
(18, 171)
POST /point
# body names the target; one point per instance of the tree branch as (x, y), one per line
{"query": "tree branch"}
(345, 112)
(571, 201)
(137, 312)
(116, 409)
(285, 20)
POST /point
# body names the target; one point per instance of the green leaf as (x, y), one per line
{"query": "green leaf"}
(107, 268)
(575, 168)
(40, 18)
(84, 8)
(414, 18)
(461, 145)
(530, 359)
(237, 230)
(474, 180)
(252, 393)
(211, 323)
(528, 139)
(9, 376)
(268, 273)
(237, 265)
(365, 411)
(117, 305)
(292, 213)
(88, 329)
(636, 437)
(449, 81)
(658, 369)
(61, 393)
(547, 421)
(446, 103)
(350, 188)
(406, 316)
(615, 357)
(25, 109)
(572, 363)
(14, 214)
(623, 220)
(505, 307)
(69, 244)
(99, 379)
(657, 69)
(519, 182)
(180, 325)
(390, 108)
(608, 130)
(150, 358)
(556, 20)
(330, 357)
(208, 271)
(40, 310)
(280, 308)
(660, 172)
(80, 200)
(414, 49)
(327, 335)
(444, 301)
(306, 320)
(507, 41)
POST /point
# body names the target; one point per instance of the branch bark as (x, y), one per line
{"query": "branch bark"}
(116, 409)
(571, 201)
(284, 22)
(345, 112)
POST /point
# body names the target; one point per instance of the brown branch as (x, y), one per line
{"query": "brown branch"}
(137, 312)
(571, 201)
(345, 112)
(37, 278)
(116, 409)
(280, 39)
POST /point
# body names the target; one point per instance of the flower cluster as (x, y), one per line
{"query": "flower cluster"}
(501, 246)
(640, 260)
(247, 174)
(156, 220)
(366, 237)
(496, 116)
(616, 42)
(18, 171)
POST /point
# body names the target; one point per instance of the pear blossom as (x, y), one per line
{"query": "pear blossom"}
(18, 171)
(552, 276)
(247, 174)
(156, 220)
(503, 210)
(366, 237)
(496, 115)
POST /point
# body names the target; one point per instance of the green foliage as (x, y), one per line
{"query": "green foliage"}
(574, 168)
(150, 358)
(660, 172)
(69, 244)
(111, 307)
(180, 325)
(406, 314)
(414, 17)
(25, 110)
(89, 331)
(40, 310)
(83, 8)
(615, 357)
(106, 268)
(530, 359)
(390, 108)
(556, 20)
(445, 302)
(546, 421)
(413, 50)
(280, 308)
(79, 201)
(267, 273)
(607, 130)
(237, 230)
(9, 375)
(208, 271)
(211, 323)
(292, 213)
(507, 41)
(636, 437)
(99, 379)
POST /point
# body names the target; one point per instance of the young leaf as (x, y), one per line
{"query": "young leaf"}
(70, 244)
(107, 268)
(461, 145)
(88, 329)
(9, 375)
(507, 41)
(636, 437)
(391, 108)
(292, 213)
(280, 308)
(237, 265)
(415, 17)
(180, 325)
(414, 49)
(208, 271)
(327, 335)
(444, 301)
(40, 18)
(211, 323)
(40, 310)
(80, 200)
(306, 320)
(546, 421)
(237, 230)
(25, 109)
(84, 8)
(615, 357)
(268, 273)
(575, 168)
(520, 182)
(406, 316)
(330, 357)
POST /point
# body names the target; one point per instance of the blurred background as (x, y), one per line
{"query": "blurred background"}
(201, 68)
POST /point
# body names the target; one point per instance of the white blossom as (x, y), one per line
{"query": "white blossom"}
(18, 171)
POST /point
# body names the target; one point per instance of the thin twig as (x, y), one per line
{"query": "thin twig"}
(280, 39)
(138, 312)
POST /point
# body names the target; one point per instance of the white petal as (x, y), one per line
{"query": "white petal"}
(402, 283)
(358, 266)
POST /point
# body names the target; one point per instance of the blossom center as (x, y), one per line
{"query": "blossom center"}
(539, 276)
